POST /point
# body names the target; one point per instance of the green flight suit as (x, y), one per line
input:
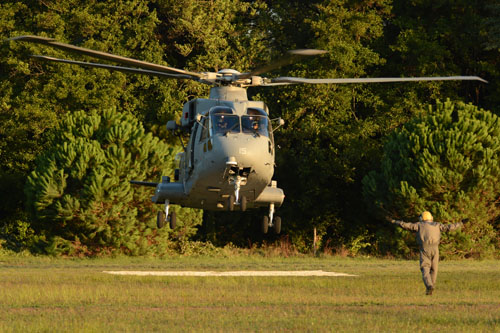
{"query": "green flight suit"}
(428, 237)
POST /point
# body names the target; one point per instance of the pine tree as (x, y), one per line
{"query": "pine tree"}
(80, 195)
(448, 162)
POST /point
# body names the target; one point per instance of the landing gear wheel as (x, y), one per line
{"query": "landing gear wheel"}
(243, 203)
(160, 219)
(277, 224)
(173, 220)
(230, 203)
(265, 224)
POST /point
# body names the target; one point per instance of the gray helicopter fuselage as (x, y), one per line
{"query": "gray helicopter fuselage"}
(216, 158)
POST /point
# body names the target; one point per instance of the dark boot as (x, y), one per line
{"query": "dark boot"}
(429, 290)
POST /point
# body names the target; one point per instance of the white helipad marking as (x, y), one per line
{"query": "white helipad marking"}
(230, 273)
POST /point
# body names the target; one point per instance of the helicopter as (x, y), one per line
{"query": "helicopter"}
(228, 162)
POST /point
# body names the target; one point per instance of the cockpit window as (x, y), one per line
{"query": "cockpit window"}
(255, 124)
(224, 120)
(224, 123)
(256, 121)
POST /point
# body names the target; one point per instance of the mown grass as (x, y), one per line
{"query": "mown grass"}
(47, 294)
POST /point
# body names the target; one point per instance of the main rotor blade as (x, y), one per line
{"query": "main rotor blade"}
(117, 68)
(297, 80)
(291, 57)
(104, 55)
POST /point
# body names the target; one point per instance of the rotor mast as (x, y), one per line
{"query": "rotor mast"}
(229, 93)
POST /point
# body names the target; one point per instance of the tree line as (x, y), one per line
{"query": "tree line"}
(347, 155)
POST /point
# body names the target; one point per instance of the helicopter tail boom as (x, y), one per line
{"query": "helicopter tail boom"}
(141, 183)
(166, 190)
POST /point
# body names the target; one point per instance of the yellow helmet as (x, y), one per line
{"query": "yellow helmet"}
(426, 216)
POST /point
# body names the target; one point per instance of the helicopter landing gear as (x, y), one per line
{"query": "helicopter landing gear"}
(231, 201)
(265, 224)
(163, 217)
(269, 221)
(160, 220)
(277, 224)
(238, 179)
(237, 185)
(243, 203)
(173, 220)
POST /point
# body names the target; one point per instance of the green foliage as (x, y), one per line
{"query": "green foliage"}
(16, 235)
(80, 196)
(452, 37)
(210, 36)
(333, 134)
(447, 162)
(15, 228)
(196, 248)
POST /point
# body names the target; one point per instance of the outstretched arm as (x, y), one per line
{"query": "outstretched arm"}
(450, 227)
(404, 225)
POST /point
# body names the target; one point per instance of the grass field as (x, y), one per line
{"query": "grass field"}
(62, 295)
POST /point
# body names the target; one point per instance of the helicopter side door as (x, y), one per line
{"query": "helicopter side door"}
(191, 148)
(205, 135)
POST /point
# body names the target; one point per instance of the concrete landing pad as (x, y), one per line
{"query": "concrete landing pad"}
(230, 273)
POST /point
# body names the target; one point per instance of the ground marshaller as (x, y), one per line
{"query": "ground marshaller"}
(428, 237)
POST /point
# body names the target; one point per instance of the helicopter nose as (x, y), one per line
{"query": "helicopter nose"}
(245, 150)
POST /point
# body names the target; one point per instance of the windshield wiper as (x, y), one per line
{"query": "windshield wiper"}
(231, 128)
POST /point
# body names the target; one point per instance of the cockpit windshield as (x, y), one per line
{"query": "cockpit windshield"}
(224, 121)
(256, 121)
(255, 124)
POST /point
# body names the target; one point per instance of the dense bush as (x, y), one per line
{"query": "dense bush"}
(80, 196)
